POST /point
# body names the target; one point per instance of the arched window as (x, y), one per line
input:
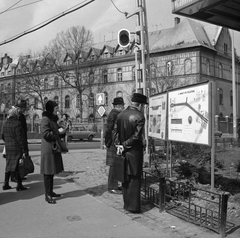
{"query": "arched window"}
(119, 74)
(220, 96)
(231, 98)
(67, 101)
(91, 118)
(91, 100)
(35, 102)
(56, 99)
(220, 115)
(169, 68)
(208, 67)
(45, 83)
(56, 82)
(9, 87)
(105, 76)
(91, 77)
(78, 101)
(187, 66)
(220, 69)
(106, 98)
(119, 94)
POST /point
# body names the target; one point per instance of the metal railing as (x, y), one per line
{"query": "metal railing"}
(201, 207)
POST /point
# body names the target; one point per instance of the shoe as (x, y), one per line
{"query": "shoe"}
(21, 188)
(55, 195)
(120, 188)
(24, 178)
(115, 191)
(49, 199)
(6, 187)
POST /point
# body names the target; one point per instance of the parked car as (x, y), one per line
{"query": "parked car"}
(81, 133)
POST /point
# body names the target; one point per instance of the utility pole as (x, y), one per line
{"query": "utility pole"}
(142, 62)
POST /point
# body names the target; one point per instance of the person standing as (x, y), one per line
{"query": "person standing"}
(128, 133)
(16, 148)
(51, 164)
(66, 124)
(21, 106)
(118, 106)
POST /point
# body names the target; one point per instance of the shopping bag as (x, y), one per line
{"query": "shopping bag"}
(26, 166)
(59, 146)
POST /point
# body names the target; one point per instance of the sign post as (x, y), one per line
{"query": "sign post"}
(100, 101)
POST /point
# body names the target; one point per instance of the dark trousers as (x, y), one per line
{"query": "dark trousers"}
(112, 183)
(48, 183)
(132, 194)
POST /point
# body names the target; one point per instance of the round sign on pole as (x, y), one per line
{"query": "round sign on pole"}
(2, 107)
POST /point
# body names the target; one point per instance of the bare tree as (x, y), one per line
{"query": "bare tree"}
(69, 51)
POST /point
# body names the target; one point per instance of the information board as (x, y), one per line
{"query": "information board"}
(188, 114)
(158, 116)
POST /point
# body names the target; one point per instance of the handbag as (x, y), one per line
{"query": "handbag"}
(59, 146)
(26, 166)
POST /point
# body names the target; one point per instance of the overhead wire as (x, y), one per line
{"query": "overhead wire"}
(125, 13)
(50, 20)
(10, 8)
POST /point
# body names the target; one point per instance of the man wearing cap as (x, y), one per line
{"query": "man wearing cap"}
(128, 133)
(118, 104)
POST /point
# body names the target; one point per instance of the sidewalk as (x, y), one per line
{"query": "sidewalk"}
(86, 208)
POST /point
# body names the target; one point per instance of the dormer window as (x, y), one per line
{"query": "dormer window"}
(68, 62)
(92, 57)
(2, 73)
(120, 52)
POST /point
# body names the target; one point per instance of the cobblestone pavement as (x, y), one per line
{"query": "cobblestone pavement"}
(88, 170)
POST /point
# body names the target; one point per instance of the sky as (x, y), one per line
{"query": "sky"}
(102, 17)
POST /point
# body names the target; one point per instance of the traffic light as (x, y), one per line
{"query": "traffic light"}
(124, 38)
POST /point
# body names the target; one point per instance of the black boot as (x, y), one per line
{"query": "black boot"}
(6, 185)
(54, 195)
(48, 183)
(20, 187)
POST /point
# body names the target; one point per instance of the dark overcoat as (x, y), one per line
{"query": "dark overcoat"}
(111, 149)
(15, 142)
(130, 126)
(50, 163)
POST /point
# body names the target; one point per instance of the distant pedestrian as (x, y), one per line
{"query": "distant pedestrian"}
(129, 133)
(16, 148)
(118, 104)
(66, 124)
(51, 163)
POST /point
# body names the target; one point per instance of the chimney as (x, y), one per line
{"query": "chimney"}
(176, 21)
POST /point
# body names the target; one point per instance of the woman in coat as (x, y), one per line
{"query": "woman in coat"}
(51, 164)
(16, 147)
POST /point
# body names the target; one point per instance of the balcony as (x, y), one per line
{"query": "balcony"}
(219, 12)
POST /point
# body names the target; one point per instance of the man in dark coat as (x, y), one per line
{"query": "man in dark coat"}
(21, 106)
(118, 104)
(129, 133)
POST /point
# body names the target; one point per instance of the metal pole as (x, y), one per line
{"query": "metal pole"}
(234, 91)
(102, 134)
(224, 214)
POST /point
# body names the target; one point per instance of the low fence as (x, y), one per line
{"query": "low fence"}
(203, 208)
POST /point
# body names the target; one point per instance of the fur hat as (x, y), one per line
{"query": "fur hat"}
(21, 103)
(50, 106)
(140, 98)
(118, 101)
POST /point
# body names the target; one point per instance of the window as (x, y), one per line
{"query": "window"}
(9, 72)
(208, 67)
(231, 98)
(119, 94)
(9, 87)
(220, 96)
(220, 70)
(187, 66)
(45, 83)
(56, 82)
(56, 99)
(2, 73)
(119, 75)
(78, 101)
(169, 68)
(105, 76)
(67, 102)
(91, 77)
(36, 102)
(91, 100)
(225, 48)
(106, 98)
(68, 61)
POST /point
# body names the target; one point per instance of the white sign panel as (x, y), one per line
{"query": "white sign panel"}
(100, 99)
(188, 114)
(157, 116)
